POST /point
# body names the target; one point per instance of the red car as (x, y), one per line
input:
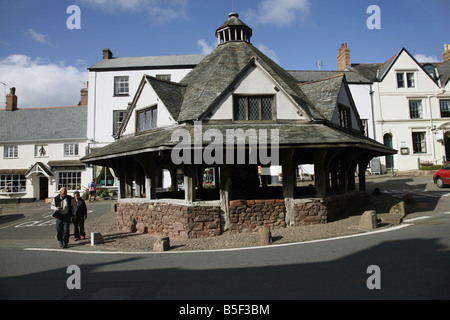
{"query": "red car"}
(442, 177)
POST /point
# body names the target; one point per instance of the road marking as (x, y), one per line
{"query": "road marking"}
(223, 250)
(415, 219)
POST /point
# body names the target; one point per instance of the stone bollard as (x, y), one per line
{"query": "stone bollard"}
(113, 207)
(265, 236)
(369, 220)
(96, 238)
(162, 244)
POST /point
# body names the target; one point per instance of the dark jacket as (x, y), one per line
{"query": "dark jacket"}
(82, 209)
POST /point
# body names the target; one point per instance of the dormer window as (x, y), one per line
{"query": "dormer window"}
(345, 119)
(256, 108)
(147, 119)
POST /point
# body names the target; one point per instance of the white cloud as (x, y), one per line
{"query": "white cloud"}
(424, 58)
(279, 12)
(161, 11)
(38, 37)
(269, 52)
(40, 83)
(206, 48)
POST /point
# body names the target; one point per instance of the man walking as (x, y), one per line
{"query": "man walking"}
(65, 208)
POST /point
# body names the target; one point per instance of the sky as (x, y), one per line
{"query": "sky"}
(46, 46)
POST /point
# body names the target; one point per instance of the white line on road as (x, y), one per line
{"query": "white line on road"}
(222, 250)
(415, 219)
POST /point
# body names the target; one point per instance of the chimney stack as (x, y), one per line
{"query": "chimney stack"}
(107, 54)
(343, 57)
(84, 95)
(11, 100)
(446, 54)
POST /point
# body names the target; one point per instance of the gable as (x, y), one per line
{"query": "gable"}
(404, 62)
(147, 97)
(255, 81)
(345, 100)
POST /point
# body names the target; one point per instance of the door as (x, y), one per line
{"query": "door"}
(43, 188)
(390, 158)
(447, 145)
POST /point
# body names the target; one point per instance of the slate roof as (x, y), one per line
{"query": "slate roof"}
(324, 93)
(157, 62)
(444, 72)
(306, 134)
(43, 124)
(217, 72)
(353, 76)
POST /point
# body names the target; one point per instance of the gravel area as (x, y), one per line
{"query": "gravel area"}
(136, 242)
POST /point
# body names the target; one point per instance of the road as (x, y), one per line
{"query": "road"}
(411, 262)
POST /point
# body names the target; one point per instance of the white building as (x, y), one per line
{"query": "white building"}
(41, 148)
(112, 85)
(406, 106)
(412, 110)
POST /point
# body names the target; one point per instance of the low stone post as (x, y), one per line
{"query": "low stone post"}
(369, 220)
(162, 244)
(265, 236)
(96, 238)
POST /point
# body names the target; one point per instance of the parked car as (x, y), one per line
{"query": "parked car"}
(442, 176)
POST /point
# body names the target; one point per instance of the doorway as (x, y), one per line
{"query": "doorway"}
(387, 139)
(447, 145)
(43, 188)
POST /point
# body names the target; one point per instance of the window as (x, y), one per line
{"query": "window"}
(419, 142)
(445, 108)
(147, 119)
(415, 109)
(253, 108)
(71, 149)
(40, 150)
(10, 152)
(410, 82)
(345, 120)
(118, 116)
(12, 183)
(70, 180)
(120, 86)
(365, 124)
(166, 77)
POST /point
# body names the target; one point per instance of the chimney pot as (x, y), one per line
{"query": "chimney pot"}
(446, 54)
(11, 100)
(107, 54)
(343, 57)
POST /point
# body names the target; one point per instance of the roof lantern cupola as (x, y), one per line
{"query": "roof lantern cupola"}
(233, 30)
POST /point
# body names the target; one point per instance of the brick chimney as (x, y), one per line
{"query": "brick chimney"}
(11, 100)
(107, 54)
(446, 54)
(84, 95)
(343, 57)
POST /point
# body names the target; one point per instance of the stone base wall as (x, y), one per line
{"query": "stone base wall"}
(190, 222)
(249, 215)
(169, 219)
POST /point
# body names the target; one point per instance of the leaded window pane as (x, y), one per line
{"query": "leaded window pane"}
(253, 109)
(266, 109)
(239, 111)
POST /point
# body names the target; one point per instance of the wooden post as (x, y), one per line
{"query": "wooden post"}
(288, 175)
(189, 183)
(320, 173)
(225, 194)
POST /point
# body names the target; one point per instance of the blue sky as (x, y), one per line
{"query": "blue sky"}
(47, 62)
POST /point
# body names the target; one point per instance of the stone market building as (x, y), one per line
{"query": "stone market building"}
(233, 116)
